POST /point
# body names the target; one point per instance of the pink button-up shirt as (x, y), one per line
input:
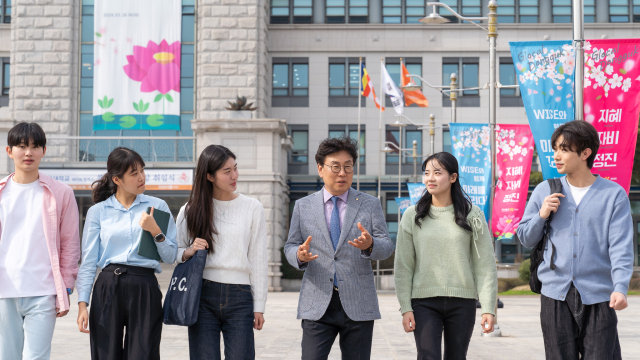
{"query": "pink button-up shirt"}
(328, 206)
(61, 230)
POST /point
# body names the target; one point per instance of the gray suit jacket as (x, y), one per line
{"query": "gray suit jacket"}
(353, 266)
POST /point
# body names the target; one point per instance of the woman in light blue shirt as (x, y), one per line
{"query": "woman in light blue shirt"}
(126, 293)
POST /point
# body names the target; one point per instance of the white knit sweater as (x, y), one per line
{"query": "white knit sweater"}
(240, 247)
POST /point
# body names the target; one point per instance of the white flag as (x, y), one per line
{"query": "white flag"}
(392, 90)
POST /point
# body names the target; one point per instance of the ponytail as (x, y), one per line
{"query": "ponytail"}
(119, 162)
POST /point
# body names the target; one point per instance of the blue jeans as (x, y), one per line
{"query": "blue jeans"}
(27, 327)
(226, 308)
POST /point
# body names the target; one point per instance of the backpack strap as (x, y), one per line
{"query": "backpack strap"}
(555, 186)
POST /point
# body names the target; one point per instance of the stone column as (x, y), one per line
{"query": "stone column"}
(44, 69)
(232, 56)
(261, 147)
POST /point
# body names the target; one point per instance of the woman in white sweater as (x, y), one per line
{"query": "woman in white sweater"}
(232, 228)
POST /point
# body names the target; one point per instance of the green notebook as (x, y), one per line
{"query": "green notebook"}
(147, 246)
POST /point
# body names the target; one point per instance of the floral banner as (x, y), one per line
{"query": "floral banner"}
(612, 104)
(136, 65)
(403, 204)
(416, 190)
(514, 146)
(545, 71)
(470, 144)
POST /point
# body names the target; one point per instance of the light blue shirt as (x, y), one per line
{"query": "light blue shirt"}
(111, 236)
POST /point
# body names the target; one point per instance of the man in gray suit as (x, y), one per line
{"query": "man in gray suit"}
(338, 294)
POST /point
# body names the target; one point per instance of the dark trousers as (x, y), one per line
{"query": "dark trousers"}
(454, 316)
(126, 296)
(571, 328)
(318, 336)
(226, 308)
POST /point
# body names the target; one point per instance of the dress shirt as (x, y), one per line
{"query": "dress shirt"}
(328, 206)
(111, 236)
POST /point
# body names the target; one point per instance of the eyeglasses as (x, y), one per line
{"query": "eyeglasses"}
(336, 168)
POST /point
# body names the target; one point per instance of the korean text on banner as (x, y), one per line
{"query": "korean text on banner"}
(612, 104)
(545, 71)
(137, 65)
(416, 190)
(514, 147)
(470, 144)
(403, 204)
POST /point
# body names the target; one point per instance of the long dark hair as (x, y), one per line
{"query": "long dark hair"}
(120, 160)
(199, 210)
(461, 202)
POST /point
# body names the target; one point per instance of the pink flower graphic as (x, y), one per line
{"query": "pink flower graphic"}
(156, 66)
(507, 222)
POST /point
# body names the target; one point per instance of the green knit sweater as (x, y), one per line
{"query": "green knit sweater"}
(442, 259)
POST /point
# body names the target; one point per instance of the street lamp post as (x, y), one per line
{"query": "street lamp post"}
(578, 39)
(432, 133)
(453, 95)
(399, 125)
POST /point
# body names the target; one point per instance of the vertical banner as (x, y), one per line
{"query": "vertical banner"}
(514, 147)
(545, 71)
(612, 104)
(416, 190)
(471, 147)
(403, 204)
(137, 65)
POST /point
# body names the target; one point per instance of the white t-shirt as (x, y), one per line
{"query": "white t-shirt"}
(578, 192)
(25, 266)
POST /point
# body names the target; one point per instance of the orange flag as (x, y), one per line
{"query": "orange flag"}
(415, 96)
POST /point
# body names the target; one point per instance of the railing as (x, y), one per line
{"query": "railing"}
(151, 148)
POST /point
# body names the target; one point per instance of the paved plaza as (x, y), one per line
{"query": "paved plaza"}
(281, 336)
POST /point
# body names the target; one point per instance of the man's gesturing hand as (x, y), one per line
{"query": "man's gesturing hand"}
(549, 205)
(364, 241)
(303, 252)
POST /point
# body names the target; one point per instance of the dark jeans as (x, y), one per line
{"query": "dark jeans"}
(455, 316)
(318, 336)
(126, 297)
(571, 328)
(227, 308)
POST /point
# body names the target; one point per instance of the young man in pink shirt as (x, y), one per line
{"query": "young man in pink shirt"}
(39, 249)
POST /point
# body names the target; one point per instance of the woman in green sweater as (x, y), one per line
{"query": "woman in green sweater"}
(444, 259)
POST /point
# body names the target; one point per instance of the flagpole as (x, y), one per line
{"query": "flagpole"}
(359, 106)
(381, 97)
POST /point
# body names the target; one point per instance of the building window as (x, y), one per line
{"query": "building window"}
(507, 77)
(281, 9)
(6, 11)
(562, 11)
(467, 79)
(300, 152)
(446, 140)
(636, 10)
(399, 11)
(338, 85)
(408, 136)
(468, 8)
(619, 10)
(6, 80)
(335, 12)
(358, 11)
(589, 10)
(158, 150)
(338, 131)
(290, 86)
(526, 10)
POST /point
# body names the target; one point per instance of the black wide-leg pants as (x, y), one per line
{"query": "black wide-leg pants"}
(126, 297)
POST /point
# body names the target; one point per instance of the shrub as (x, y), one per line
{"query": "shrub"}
(508, 284)
(524, 271)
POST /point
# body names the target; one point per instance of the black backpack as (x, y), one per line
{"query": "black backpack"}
(537, 253)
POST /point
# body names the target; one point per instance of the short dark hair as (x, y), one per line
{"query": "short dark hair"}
(333, 145)
(578, 135)
(25, 133)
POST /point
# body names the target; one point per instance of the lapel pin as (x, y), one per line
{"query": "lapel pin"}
(356, 199)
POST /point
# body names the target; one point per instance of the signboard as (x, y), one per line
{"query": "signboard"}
(157, 179)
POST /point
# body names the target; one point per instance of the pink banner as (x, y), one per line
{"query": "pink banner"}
(612, 103)
(514, 144)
